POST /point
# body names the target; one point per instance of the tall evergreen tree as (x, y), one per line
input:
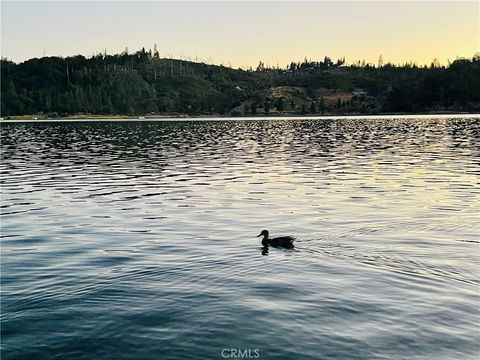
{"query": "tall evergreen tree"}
(322, 105)
(266, 107)
(279, 104)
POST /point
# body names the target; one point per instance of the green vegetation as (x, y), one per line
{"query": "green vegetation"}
(142, 83)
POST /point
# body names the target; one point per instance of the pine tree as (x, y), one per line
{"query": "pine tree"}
(322, 105)
(266, 107)
(279, 104)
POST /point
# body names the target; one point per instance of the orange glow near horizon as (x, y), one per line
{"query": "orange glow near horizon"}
(241, 34)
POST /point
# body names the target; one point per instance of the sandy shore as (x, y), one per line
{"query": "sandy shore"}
(86, 117)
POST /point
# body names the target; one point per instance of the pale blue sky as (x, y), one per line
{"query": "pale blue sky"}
(243, 33)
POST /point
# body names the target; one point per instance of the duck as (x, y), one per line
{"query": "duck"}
(282, 241)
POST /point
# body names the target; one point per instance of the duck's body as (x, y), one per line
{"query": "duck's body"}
(282, 241)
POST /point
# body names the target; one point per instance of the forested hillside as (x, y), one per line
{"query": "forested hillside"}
(144, 84)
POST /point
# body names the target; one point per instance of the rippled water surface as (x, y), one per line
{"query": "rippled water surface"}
(136, 240)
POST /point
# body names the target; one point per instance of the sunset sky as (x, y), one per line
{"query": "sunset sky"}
(243, 33)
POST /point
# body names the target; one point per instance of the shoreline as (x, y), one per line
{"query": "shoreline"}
(184, 117)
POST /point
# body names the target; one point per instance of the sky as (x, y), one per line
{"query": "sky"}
(242, 33)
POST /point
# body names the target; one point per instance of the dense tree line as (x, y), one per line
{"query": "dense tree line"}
(143, 83)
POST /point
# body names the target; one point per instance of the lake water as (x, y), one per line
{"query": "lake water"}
(136, 240)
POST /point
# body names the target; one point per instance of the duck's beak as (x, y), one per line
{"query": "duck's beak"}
(259, 234)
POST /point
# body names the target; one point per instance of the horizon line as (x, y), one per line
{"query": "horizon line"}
(211, 61)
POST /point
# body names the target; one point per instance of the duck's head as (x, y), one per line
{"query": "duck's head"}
(264, 233)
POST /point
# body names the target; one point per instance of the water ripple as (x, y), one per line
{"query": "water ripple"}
(137, 239)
